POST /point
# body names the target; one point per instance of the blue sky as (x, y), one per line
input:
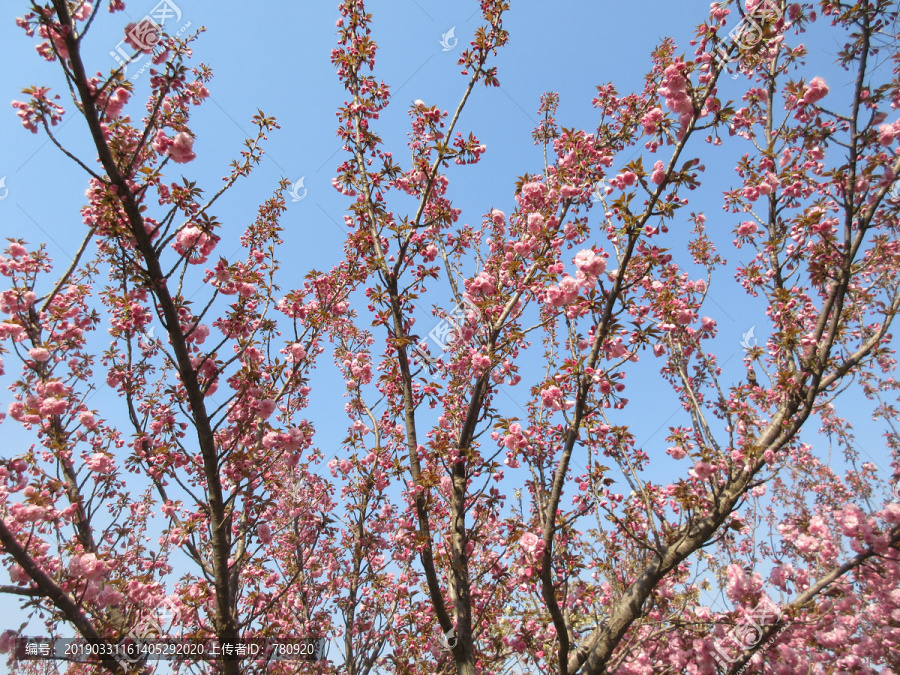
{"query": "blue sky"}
(275, 56)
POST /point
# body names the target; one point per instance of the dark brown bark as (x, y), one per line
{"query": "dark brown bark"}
(220, 538)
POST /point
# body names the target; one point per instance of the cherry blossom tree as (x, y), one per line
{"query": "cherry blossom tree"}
(76, 526)
(454, 533)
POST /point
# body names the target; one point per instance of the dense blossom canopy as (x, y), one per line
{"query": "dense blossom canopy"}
(453, 533)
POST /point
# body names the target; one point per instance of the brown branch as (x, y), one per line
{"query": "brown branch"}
(49, 589)
(566, 663)
(808, 595)
(18, 590)
(225, 620)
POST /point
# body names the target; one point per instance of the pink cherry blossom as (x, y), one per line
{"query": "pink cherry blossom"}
(100, 463)
(7, 640)
(39, 354)
(142, 35)
(53, 406)
(652, 120)
(198, 333)
(181, 148)
(816, 91)
(161, 142)
(265, 407)
(532, 544)
(684, 317)
(590, 263)
(87, 566)
(298, 353)
(888, 132)
(702, 470)
(11, 330)
(569, 191)
(110, 596)
(676, 452)
(535, 222)
(674, 89)
(86, 418)
(117, 102)
(747, 228)
(502, 476)
(195, 243)
(430, 253)
(265, 533)
(551, 397)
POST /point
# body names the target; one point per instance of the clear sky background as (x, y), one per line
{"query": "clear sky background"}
(275, 56)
